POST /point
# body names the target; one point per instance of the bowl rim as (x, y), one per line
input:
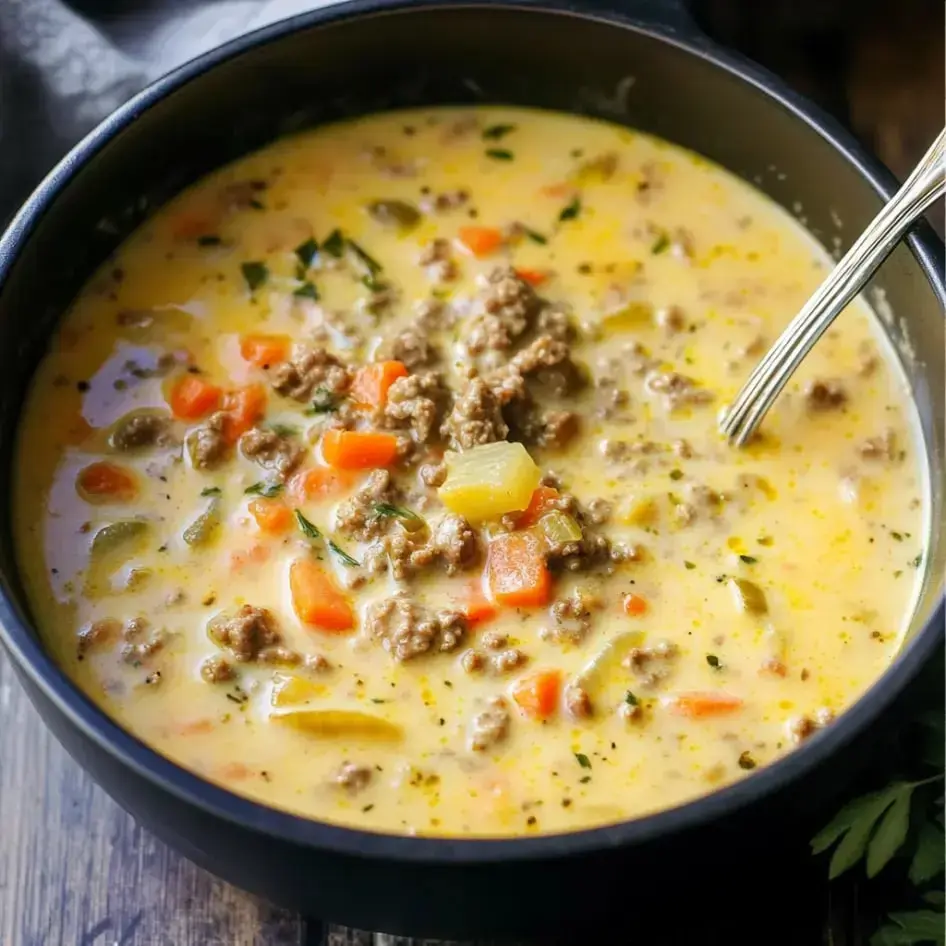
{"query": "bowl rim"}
(43, 672)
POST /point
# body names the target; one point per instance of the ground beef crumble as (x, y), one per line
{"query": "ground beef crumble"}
(476, 418)
(417, 402)
(508, 306)
(651, 664)
(414, 349)
(407, 630)
(246, 634)
(353, 777)
(272, 451)
(357, 516)
(490, 725)
(208, 445)
(309, 369)
(676, 390)
(825, 395)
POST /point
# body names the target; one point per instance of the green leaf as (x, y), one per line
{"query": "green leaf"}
(390, 511)
(255, 274)
(535, 236)
(495, 132)
(844, 820)
(748, 559)
(583, 760)
(306, 252)
(571, 211)
(307, 291)
(268, 490)
(368, 265)
(906, 929)
(334, 244)
(929, 856)
(630, 699)
(211, 491)
(284, 430)
(851, 847)
(660, 244)
(306, 527)
(343, 555)
(890, 834)
(499, 154)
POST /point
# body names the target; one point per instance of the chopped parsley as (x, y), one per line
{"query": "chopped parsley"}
(535, 237)
(713, 661)
(660, 244)
(896, 535)
(284, 430)
(266, 490)
(583, 760)
(307, 291)
(306, 527)
(571, 211)
(499, 154)
(630, 699)
(211, 491)
(255, 274)
(340, 552)
(323, 401)
(334, 244)
(369, 265)
(676, 474)
(495, 132)
(209, 239)
(689, 566)
(306, 252)
(748, 559)
(916, 561)
(390, 511)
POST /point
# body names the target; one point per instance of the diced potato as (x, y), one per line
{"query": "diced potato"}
(339, 722)
(597, 672)
(289, 691)
(638, 511)
(489, 481)
(559, 527)
(633, 315)
(749, 597)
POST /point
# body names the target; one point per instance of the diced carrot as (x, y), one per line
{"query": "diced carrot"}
(358, 449)
(699, 704)
(192, 397)
(243, 408)
(562, 189)
(481, 241)
(254, 555)
(539, 505)
(264, 350)
(104, 480)
(315, 598)
(535, 277)
(537, 694)
(517, 572)
(272, 516)
(370, 387)
(234, 771)
(196, 727)
(478, 608)
(634, 605)
(318, 482)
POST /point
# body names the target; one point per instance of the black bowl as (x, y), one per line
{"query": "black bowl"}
(657, 75)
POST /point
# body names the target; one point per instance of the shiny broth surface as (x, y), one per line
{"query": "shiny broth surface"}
(377, 478)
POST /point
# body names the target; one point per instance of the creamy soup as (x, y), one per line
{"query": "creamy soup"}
(377, 478)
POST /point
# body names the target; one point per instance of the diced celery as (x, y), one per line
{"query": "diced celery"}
(205, 526)
(488, 481)
(112, 546)
(559, 527)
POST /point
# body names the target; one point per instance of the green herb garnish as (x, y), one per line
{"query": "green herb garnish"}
(323, 401)
(499, 154)
(334, 244)
(495, 132)
(916, 561)
(660, 244)
(284, 430)
(748, 559)
(211, 491)
(535, 237)
(306, 252)
(571, 211)
(630, 699)
(896, 535)
(307, 291)
(713, 661)
(343, 555)
(676, 474)
(746, 762)
(209, 239)
(583, 760)
(369, 265)
(255, 274)
(689, 566)
(306, 527)
(390, 511)
(266, 490)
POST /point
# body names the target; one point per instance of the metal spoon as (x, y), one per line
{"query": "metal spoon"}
(741, 419)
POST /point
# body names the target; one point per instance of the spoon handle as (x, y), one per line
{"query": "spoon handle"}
(845, 281)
